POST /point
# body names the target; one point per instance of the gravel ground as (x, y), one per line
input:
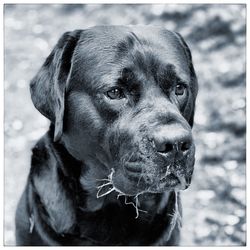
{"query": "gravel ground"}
(215, 204)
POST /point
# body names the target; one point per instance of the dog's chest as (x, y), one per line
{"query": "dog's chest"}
(115, 225)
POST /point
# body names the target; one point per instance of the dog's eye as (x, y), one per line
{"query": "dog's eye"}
(115, 93)
(180, 89)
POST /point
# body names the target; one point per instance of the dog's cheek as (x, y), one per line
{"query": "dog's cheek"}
(120, 139)
(82, 126)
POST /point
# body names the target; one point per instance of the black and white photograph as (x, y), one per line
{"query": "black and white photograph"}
(124, 124)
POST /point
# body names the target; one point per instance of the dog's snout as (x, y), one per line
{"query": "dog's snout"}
(172, 140)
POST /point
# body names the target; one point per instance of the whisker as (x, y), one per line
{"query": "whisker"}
(102, 179)
(104, 194)
(135, 205)
(176, 216)
(105, 184)
(120, 193)
(168, 171)
(131, 155)
(138, 182)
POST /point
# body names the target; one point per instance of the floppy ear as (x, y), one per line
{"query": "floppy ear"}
(194, 82)
(47, 88)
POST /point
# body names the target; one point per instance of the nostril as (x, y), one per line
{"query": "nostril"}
(166, 148)
(171, 142)
(185, 146)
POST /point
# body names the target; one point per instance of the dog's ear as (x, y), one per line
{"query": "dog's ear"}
(194, 82)
(48, 86)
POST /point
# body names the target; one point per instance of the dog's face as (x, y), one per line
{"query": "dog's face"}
(125, 106)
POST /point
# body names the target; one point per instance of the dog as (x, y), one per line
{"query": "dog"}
(119, 149)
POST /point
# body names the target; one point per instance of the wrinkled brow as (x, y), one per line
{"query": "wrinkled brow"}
(167, 77)
(128, 79)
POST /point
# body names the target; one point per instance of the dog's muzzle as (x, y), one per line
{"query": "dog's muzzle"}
(162, 161)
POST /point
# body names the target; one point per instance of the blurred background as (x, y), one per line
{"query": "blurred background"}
(215, 204)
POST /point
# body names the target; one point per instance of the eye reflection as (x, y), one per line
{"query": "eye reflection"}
(115, 93)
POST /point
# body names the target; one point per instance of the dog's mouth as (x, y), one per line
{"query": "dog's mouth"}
(138, 182)
(121, 185)
(176, 179)
(171, 179)
(174, 182)
(169, 182)
(157, 177)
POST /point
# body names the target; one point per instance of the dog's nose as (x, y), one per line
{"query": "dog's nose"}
(173, 141)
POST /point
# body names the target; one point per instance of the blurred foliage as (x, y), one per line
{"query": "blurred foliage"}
(214, 205)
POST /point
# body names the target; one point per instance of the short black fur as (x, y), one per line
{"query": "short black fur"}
(95, 142)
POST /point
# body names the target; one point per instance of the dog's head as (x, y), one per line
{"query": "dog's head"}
(122, 102)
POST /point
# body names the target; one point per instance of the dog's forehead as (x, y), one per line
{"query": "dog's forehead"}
(106, 49)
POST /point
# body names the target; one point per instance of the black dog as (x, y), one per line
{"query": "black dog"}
(121, 105)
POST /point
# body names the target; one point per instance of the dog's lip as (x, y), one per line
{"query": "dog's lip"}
(134, 167)
(170, 180)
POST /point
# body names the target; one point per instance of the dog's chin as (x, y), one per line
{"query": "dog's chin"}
(171, 182)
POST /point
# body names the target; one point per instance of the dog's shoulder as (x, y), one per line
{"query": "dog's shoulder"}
(48, 183)
(25, 232)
